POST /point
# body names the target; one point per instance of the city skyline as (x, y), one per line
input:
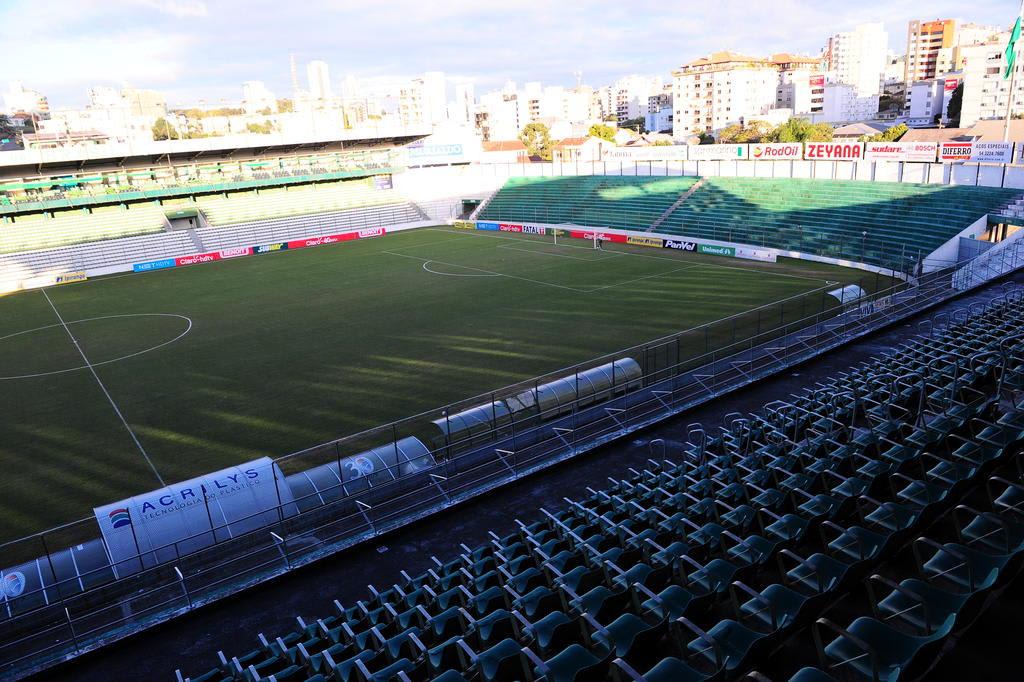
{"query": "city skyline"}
(194, 50)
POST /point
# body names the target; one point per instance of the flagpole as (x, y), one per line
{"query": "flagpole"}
(1013, 74)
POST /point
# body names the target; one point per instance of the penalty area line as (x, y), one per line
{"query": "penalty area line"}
(103, 388)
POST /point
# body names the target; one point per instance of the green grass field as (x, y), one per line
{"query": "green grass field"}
(216, 364)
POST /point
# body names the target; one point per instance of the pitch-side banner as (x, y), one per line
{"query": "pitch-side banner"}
(777, 151)
(717, 152)
(676, 152)
(979, 152)
(183, 517)
(603, 236)
(901, 151)
(834, 151)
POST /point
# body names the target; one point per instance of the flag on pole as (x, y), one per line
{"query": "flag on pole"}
(1011, 49)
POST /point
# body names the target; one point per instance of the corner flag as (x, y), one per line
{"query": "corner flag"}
(1011, 49)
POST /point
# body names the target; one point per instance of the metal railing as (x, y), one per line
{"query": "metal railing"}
(42, 627)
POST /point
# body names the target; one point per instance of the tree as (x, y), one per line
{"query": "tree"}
(537, 139)
(162, 130)
(754, 131)
(638, 124)
(7, 129)
(662, 143)
(602, 131)
(802, 130)
(285, 106)
(890, 135)
(956, 101)
(706, 138)
(264, 128)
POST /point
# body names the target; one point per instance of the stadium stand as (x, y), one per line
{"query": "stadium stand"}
(117, 252)
(345, 204)
(34, 231)
(623, 202)
(702, 564)
(903, 222)
(243, 207)
(297, 227)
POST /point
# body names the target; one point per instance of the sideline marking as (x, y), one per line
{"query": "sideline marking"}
(104, 389)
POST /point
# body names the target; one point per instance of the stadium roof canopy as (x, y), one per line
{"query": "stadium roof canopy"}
(77, 158)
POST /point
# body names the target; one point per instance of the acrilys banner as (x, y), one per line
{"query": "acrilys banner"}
(464, 225)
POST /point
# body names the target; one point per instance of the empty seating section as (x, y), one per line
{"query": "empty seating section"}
(885, 223)
(34, 231)
(241, 207)
(900, 474)
(129, 250)
(298, 227)
(94, 255)
(38, 239)
(830, 217)
(600, 200)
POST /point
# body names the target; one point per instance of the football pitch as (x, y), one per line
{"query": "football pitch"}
(118, 385)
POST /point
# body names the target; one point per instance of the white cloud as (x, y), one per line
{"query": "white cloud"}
(179, 8)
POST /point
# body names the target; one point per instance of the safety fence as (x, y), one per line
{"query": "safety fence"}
(513, 432)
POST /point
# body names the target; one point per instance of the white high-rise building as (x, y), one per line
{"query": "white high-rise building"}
(842, 104)
(859, 58)
(319, 76)
(631, 95)
(713, 92)
(925, 101)
(985, 90)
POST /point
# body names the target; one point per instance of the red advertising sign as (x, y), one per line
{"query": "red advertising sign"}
(817, 81)
(834, 151)
(950, 84)
(605, 236)
(509, 227)
(324, 239)
(372, 232)
(198, 258)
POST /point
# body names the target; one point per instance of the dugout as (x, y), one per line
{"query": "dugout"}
(490, 421)
(360, 473)
(588, 387)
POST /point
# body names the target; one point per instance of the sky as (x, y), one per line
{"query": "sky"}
(196, 50)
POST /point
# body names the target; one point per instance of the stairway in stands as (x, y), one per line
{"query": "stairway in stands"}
(676, 204)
